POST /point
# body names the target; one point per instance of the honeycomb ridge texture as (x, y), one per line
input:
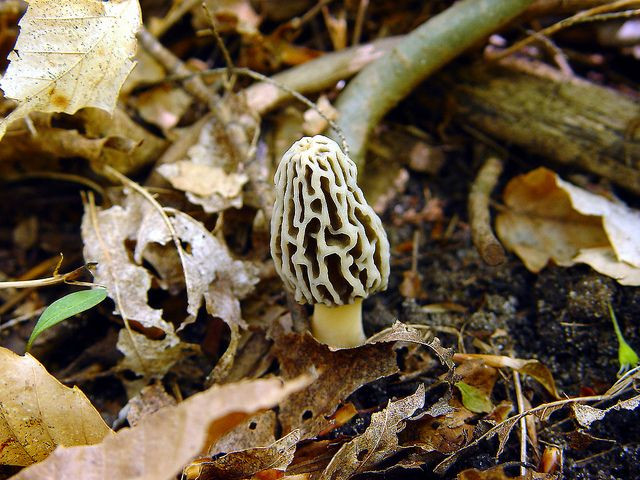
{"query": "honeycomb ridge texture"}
(327, 243)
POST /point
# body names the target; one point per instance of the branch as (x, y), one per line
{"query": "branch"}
(382, 84)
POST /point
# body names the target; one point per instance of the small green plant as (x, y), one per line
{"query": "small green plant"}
(627, 357)
(66, 307)
(474, 399)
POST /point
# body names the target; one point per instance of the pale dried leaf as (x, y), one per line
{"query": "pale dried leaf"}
(162, 443)
(127, 283)
(209, 270)
(203, 180)
(585, 415)
(249, 462)
(151, 358)
(550, 219)
(70, 55)
(378, 441)
(38, 413)
(603, 260)
(210, 157)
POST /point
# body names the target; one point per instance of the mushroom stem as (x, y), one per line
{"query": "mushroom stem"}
(339, 326)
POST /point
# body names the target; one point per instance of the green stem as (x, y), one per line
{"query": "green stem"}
(386, 81)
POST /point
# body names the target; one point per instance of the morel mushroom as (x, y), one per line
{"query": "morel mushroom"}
(327, 243)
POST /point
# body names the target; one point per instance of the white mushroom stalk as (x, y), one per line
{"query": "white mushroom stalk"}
(328, 245)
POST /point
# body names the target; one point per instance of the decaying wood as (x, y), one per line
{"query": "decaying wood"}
(568, 120)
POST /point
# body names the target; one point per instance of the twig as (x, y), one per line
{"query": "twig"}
(616, 390)
(43, 282)
(174, 15)
(315, 75)
(523, 423)
(225, 53)
(382, 84)
(567, 22)
(357, 29)
(195, 86)
(65, 177)
(483, 238)
(263, 78)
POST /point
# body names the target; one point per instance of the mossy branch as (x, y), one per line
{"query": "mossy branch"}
(386, 81)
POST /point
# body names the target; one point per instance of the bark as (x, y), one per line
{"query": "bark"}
(569, 120)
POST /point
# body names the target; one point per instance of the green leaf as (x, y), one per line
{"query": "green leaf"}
(66, 307)
(474, 399)
(627, 357)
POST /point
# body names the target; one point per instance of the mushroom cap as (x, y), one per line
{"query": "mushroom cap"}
(327, 243)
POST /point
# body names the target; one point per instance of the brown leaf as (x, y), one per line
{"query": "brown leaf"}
(379, 440)
(159, 446)
(150, 399)
(247, 463)
(340, 373)
(257, 431)
(550, 219)
(498, 473)
(38, 413)
(445, 433)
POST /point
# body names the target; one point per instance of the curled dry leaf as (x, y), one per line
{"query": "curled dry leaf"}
(204, 175)
(550, 219)
(38, 413)
(247, 463)
(162, 443)
(379, 440)
(72, 54)
(585, 415)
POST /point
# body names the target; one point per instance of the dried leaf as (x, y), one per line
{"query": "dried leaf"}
(163, 106)
(340, 373)
(498, 473)
(378, 441)
(104, 236)
(151, 358)
(209, 157)
(247, 463)
(209, 270)
(400, 332)
(150, 399)
(162, 443)
(38, 413)
(550, 219)
(70, 55)
(444, 432)
(257, 431)
(204, 180)
(586, 415)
